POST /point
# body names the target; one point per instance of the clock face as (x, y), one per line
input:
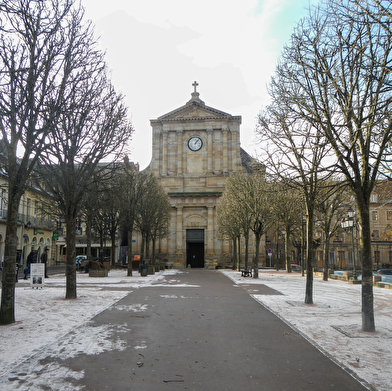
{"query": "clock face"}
(195, 143)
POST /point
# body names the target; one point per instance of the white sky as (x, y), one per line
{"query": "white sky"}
(47, 324)
(157, 48)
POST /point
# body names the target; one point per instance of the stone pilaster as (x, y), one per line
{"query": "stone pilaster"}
(180, 142)
(164, 151)
(179, 234)
(235, 150)
(210, 231)
(209, 150)
(225, 167)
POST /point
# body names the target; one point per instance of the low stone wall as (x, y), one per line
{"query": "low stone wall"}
(341, 275)
(98, 272)
(383, 285)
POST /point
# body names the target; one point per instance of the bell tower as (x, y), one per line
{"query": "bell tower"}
(195, 149)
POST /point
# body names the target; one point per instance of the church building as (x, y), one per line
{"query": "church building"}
(194, 149)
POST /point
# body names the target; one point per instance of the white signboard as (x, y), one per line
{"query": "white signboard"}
(37, 275)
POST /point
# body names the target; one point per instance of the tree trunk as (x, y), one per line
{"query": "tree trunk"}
(147, 246)
(142, 249)
(70, 264)
(7, 309)
(257, 250)
(153, 243)
(113, 258)
(234, 255)
(277, 249)
(239, 253)
(130, 234)
(246, 250)
(326, 260)
(368, 323)
(89, 225)
(286, 251)
(309, 261)
(303, 248)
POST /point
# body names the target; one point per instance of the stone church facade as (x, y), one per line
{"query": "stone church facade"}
(195, 149)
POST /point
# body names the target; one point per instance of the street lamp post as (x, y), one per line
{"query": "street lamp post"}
(348, 223)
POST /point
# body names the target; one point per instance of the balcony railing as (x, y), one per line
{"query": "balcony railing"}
(35, 222)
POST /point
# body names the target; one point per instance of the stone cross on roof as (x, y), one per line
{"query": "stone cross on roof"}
(195, 84)
(195, 95)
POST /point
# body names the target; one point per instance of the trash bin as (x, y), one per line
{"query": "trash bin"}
(143, 270)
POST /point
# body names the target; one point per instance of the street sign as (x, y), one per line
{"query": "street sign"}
(269, 251)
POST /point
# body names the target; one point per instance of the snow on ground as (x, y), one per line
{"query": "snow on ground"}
(333, 322)
(43, 315)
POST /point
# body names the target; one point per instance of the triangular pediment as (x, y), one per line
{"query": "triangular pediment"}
(193, 111)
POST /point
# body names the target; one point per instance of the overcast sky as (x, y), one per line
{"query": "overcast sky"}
(156, 49)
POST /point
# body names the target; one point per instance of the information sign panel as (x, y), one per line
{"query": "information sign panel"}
(37, 275)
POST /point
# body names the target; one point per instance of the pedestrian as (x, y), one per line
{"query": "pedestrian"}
(44, 260)
(30, 259)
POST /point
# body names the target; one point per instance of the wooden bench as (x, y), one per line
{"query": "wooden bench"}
(246, 273)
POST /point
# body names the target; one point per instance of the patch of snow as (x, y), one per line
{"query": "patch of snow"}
(333, 322)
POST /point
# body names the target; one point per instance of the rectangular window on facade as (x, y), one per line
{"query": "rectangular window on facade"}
(377, 256)
(36, 211)
(78, 226)
(332, 260)
(373, 198)
(3, 207)
(320, 258)
(389, 214)
(376, 235)
(374, 215)
(341, 259)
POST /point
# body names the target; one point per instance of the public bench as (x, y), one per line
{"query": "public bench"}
(246, 273)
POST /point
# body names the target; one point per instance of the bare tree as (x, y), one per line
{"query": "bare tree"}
(104, 213)
(243, 216)
(93, 127)
(153, 213)
(286, 207)
(228, 225)
(335, 75)
(334, 198)
(161, 214)
(295, 153)
(132, 192)
(245, 200)
(34, 46)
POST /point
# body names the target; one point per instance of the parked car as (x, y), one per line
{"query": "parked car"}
(295, 268)
(387, 272)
